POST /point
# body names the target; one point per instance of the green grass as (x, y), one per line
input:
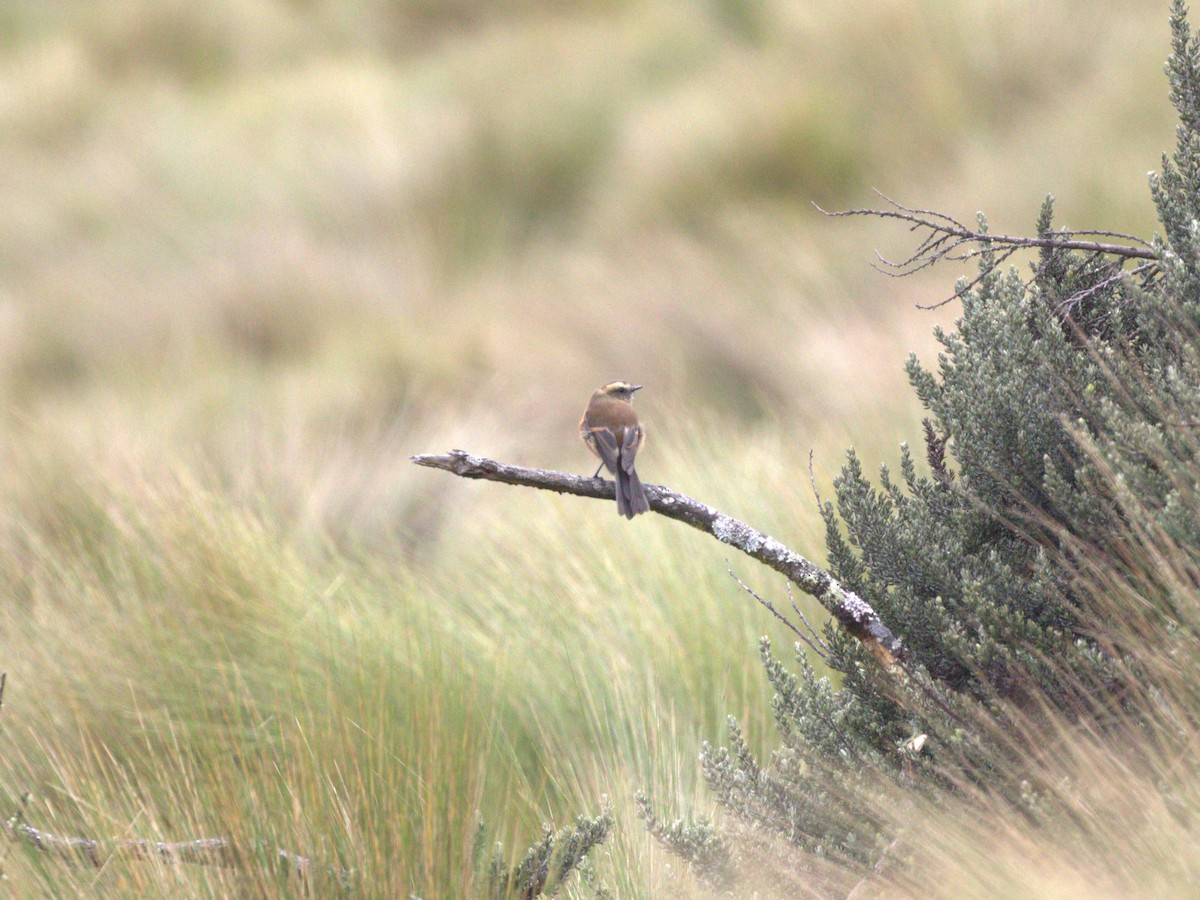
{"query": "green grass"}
(198, 672)
(254, 257)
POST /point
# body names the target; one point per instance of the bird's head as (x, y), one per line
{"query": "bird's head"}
(620, 390)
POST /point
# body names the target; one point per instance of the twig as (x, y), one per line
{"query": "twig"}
(812, 479)
(776, 613)
(923, 218)
(15, 820)
(825, 648)
(950, 240)
(1096, 288)
(215, 851)
(853, 613)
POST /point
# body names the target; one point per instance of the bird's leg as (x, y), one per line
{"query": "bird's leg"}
(598, 468)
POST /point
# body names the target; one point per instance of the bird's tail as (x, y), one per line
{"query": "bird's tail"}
(631, 498)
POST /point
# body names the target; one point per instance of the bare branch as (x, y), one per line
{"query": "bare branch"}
(215, 851)
(812, 632)
(1096, 288)
(812, 479)
(968, 286)
(777, 614)
(947, 237)
(853, 613)
(921, 218)
(1132, 238)
(16, 819)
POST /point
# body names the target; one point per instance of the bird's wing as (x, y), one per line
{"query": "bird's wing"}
(605, 444)
(631, 442)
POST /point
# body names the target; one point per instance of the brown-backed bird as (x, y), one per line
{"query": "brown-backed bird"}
(611, 430)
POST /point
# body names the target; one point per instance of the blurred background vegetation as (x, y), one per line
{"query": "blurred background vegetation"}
(255, 254)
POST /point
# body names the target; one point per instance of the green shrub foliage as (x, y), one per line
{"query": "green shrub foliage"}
(1063, 422)
(547, 865)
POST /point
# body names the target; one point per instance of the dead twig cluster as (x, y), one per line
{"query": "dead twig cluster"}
(944, 238)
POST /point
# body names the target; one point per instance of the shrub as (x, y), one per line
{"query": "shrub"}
(1040, 571)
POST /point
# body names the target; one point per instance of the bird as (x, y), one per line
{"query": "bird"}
(611, 430)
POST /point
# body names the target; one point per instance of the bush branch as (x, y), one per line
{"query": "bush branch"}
(215, 851)
(942, 224)
(946, 238)
(853, 613)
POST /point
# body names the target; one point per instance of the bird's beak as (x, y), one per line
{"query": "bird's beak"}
(636, 387)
